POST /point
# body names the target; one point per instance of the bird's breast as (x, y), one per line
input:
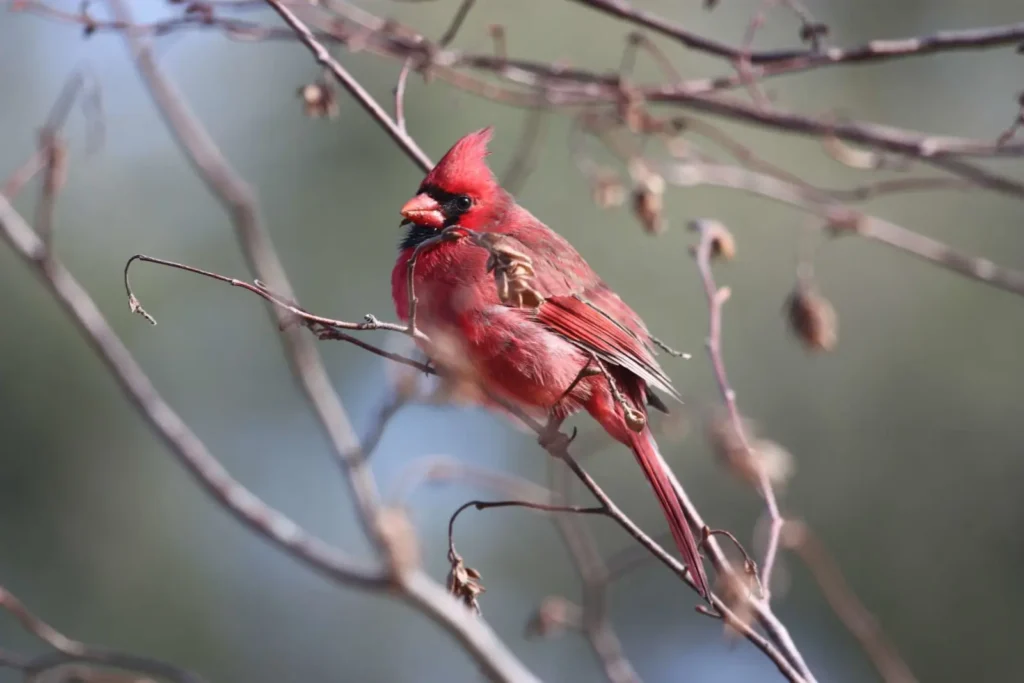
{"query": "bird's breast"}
(448, 281)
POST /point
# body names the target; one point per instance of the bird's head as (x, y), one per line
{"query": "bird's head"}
(459, 190)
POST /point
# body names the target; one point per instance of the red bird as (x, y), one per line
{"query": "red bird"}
(531, 356)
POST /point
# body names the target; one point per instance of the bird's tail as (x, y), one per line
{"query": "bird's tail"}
(661, 479)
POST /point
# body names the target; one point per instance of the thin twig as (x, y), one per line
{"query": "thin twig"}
(876, 50)
(347, 81)
(324, 328)
(845, 603)
(37, 627)
(577, 87)
(183, 443)
(595, 622)
(529, 505)
(403, 76)
(457, 20)
(530, 141)
(72, 652)
(23, 174)
(847, 221)
(716, 298)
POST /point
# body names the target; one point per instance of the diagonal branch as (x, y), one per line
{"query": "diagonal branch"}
(362, 96)
(68, 652)
(183, 443)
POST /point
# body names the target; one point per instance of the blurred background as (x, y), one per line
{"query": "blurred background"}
(907, 440)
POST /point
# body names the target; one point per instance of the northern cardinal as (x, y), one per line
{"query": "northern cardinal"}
(530, 350)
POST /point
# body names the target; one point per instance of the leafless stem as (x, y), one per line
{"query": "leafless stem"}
(457, 20)
(595, 622)
(845, 603)
(531, 140)
(165, 422)
(403, 76)
(354, 87)
(324, 328)
(23, 174)
(69, 652)
(716, 299)
(846, 220)
(37, 627)
(559, 86)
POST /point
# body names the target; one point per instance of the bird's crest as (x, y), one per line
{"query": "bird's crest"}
(463, 169)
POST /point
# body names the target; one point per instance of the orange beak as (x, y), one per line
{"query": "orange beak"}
(424, 210)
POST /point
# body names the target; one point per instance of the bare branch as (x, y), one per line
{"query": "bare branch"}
(72, 652)
(186, 447)
(716, 299)
(876, 50)
(324, 328)
(453, 29)
(403, 76)
(530, 141)
(845, 220)
(844, 602)
(362, 96)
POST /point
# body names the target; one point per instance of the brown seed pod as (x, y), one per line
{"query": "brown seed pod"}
(464, 583)
(318, 101)
(607, 190)
(812, 318)
(553, 616)
(723, 244)
(763, 456)
(648, 204)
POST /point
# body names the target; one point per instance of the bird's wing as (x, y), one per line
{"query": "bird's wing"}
(581, 308)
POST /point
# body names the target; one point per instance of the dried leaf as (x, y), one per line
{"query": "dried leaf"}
(464, 582)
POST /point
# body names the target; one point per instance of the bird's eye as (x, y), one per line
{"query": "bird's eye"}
(463, 202)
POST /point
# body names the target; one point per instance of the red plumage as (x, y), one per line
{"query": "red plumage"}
(530, 357)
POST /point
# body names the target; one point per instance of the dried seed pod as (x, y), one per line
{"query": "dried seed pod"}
(608, 191)
(727, 443)
(723, 244)
(464, 583)
(552, 617)
(813, 32)
(737, 593)
(747, 464)
(318, 100)
(812, 318)
(648, 202)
